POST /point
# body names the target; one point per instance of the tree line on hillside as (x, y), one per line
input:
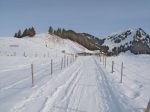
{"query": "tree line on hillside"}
(86, 40)
(30, 32)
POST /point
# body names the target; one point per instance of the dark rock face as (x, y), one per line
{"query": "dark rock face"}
(137, 41)
(139, 47)
(141, 43)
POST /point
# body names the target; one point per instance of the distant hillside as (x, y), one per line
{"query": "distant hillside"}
(89, 41)
(135, 40)
(40, 45)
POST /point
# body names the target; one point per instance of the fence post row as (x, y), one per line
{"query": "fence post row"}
(32, 71)
(121, 72)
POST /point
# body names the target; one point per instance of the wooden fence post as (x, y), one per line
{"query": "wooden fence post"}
(100, 57)
(70, 59)
(51, 66)
(112, 67)
(32, 71)
(67, 60)
(104, 59)
(73, 58)
(24, 54)
(64, 60)
(148, 107)
(121, 72)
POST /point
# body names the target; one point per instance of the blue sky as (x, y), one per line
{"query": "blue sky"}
(97, 17)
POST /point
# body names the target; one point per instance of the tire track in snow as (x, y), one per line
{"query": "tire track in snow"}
(62, 93)
(49, 98)
(115, 103)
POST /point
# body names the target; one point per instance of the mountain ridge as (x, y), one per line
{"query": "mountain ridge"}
(135, 40)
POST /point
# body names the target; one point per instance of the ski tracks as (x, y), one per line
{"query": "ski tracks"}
(63, 93)
(87, 88)
(114, 101)
(47, 94)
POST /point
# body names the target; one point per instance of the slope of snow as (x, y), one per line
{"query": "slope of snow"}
(57, 43)
(112, 44)
(136, 77)
(42, 45)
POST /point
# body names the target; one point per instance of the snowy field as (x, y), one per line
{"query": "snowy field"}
(136, 77)
(81, 85)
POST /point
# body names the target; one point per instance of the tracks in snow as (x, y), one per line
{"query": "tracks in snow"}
(49, 92)
(82, 88)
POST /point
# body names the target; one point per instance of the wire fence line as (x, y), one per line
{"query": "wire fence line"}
(121, 69)
(30, 74)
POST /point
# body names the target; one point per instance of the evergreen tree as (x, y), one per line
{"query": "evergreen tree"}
(59, 32)
(50, 31)
(19, 34)
(31, 32)
(25, 33)
(16, 35)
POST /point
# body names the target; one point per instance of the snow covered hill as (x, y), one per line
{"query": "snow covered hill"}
(135, 40)
(40, 45)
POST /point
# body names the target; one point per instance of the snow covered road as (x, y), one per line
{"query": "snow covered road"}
(82, 87)
(89, 91)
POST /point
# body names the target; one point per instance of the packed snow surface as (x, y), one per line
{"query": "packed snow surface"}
(81, 85)
(84, 86)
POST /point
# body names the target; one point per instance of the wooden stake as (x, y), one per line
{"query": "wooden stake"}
(70, 59)
(121, 72)
(24, 54)
(112, 67)
(100, 57)
(103, 59)
(64, 61)
(32, 71)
